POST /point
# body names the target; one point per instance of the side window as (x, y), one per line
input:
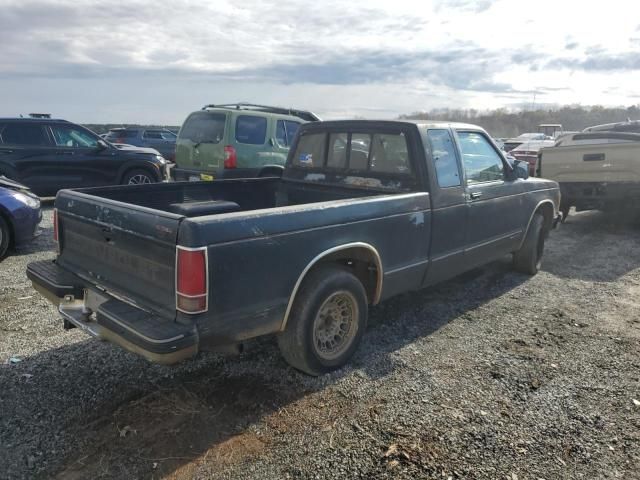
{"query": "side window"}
(281, 134)
(389, 153)
(285, 132)
(310, 151)
(481, 162)
(167, 135)
(28, 134)
(153, 134)
(65, 136)
(337, 157)
(292, 129)
(251, 130)
(443, 153)
(359, 151)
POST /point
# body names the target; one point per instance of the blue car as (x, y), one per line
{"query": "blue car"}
(19, 215)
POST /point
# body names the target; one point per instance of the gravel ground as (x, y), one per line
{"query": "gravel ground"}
(492, 375)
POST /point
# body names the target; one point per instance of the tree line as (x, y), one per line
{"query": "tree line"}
(505, 123)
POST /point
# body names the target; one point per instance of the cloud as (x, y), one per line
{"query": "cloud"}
(475, 6)
(600, 62)
(443, 51)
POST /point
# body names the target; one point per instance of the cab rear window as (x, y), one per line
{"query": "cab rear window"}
(204, 127)
(354, 152)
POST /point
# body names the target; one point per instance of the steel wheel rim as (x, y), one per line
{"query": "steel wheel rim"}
(335, 325)
(139, 180)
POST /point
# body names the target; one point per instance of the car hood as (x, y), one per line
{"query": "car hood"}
(11, 184)
(133, 149)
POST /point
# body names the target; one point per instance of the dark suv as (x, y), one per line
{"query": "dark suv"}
(161, 139)
(47, 155)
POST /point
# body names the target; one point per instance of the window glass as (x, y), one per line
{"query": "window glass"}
(204, 127)
(251, 129)
(154, 134)
(444, 158)
(286, 131)
(292, 129)
(310, 151)
(481, 162)
(359, 152)
(29, 134)
(65, 136)
(168, 135)
(122, 133)
(281, 134)
(337, 157)
(389, 153)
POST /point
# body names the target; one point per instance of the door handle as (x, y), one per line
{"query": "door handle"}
(474, 195)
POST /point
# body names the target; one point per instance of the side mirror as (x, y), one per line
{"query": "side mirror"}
(102, 145)
(521, 169)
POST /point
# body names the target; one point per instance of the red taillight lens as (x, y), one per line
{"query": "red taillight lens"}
(230, 157)
(191, 280)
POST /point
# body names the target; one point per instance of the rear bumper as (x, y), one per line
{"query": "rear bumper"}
(600, 195)
(101, 315)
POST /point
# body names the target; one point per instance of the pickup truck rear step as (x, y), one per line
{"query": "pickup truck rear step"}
(152, 333)
(57, 281)
(156, 338)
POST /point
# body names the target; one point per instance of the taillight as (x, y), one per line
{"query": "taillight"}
(56, 237)
(191, 280)
(230, 157)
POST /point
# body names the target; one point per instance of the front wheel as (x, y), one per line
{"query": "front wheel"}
(327, 321)
(138, 177)
(528, 258)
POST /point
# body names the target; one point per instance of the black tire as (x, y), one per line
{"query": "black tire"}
(5, 237)
(334, 291)
(564, 209)
(529, 258)
(138, 177)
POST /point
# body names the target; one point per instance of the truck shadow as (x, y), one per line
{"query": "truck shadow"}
(581, 247)
(116, 416)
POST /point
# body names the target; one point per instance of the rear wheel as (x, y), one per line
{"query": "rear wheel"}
(528, 258)
(138, 177)
(327, 321)
(5, 237)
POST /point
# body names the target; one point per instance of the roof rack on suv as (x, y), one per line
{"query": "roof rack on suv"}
(303, 114)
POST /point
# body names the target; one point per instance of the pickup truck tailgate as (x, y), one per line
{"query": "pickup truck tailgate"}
(120, 248)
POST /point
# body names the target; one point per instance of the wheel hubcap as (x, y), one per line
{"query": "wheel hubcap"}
(139, 179)
(335, 325)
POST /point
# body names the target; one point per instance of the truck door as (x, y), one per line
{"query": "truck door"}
(449, 207)
(496, 206)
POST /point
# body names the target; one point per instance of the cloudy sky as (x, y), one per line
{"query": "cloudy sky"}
(153, 62)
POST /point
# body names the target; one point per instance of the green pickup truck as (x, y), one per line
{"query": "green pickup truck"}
(238, 140)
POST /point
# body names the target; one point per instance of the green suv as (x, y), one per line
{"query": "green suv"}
(236, 141)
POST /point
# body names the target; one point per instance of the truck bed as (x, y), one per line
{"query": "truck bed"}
(123, 239)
